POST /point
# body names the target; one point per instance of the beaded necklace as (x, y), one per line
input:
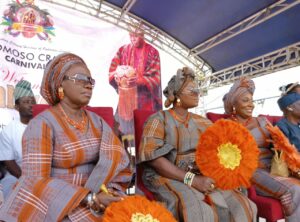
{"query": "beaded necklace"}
(234, 118)
(77, 125)
(185, 121)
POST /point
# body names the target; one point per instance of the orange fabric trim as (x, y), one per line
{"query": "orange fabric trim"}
(69, 133)
(46, 148)
(264, 189)
(73, 203)
(213, 207)
(244, 205)
(38, 189)
(116, 160)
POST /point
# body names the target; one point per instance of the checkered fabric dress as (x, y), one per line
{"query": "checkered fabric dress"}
(61, 165)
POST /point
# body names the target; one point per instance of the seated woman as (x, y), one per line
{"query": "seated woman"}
(238, 102)
(167, 152)
(290, 124)
(68, 153)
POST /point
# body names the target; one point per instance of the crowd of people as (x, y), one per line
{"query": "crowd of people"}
(67, 164)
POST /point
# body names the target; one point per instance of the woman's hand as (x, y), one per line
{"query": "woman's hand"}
(106, 199)
(117, 79)
(131, 81)
(203, 184)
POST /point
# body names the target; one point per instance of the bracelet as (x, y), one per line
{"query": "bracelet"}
(95, 208)
(188, 178)
(94, 197)
(90, 200)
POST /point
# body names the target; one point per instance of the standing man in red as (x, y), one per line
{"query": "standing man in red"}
(135, 74)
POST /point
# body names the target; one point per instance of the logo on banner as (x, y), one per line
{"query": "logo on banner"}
(27, 19)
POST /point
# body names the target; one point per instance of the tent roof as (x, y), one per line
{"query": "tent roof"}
(194, 22)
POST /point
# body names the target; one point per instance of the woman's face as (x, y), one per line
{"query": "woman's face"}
(78, 85)
(244, 105)
(189, 95)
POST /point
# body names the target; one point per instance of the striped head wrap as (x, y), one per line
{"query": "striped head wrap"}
(54, 73)
(177, 83)
(240, 87)
(23, 88)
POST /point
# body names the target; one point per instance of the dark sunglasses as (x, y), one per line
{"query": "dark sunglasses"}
(81, 79)
(192, 91)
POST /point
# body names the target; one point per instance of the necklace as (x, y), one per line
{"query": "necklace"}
(234, 118)
(185, 121)
(77, 125)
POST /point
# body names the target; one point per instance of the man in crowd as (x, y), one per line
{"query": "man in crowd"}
(135, 74)
(11, 136)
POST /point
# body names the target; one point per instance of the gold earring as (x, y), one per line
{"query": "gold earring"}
(178, 102)
(61, 93)
(233, 110)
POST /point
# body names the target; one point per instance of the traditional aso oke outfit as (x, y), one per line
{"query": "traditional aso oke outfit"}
(285, 189)
(291, 130)
(62, 164)
(165, 136)
(147, 94)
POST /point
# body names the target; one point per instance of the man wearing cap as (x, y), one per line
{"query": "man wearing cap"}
(135, 74)
(11, 135)
(290, 124)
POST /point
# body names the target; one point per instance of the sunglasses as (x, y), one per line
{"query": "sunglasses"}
(191, 91)
(81, 79)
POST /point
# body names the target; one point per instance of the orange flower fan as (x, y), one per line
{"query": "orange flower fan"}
(290, 152)
(228, 153)
(137, 209)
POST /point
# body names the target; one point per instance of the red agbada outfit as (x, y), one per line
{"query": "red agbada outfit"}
(147, 95)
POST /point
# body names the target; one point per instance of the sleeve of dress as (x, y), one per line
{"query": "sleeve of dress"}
(115, 62)
(152, 76)
(6, 151)
(113, 167)
(152, 143)
(263, 121)
(38, 196)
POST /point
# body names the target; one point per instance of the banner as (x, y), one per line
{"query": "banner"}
(33, 32)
